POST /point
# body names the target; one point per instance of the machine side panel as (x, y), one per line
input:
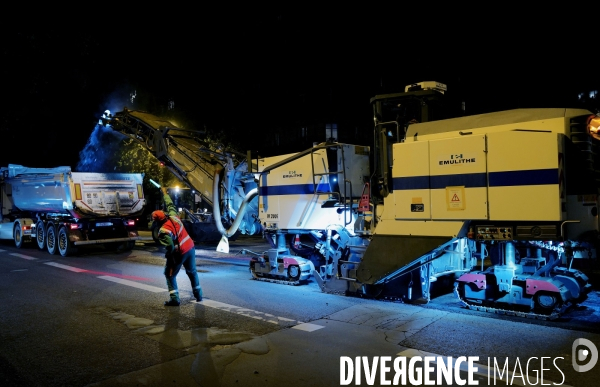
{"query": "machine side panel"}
(410, 174)
(552, 119)
(286, 194)
(305, 193)
(524, 176)
(458, 178)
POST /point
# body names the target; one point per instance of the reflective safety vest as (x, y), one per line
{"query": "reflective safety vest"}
(175, 229)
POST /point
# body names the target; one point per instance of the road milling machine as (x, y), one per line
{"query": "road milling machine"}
(304, 204)
(219, 176)
(497, 208)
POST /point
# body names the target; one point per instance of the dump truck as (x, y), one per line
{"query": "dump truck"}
(59, 210)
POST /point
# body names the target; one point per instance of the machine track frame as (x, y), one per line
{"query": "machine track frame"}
(555, 314)
(273, 279)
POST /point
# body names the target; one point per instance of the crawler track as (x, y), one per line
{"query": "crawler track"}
(555, 314)
(274, 279)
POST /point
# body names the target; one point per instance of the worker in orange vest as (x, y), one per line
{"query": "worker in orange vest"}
(180, 250)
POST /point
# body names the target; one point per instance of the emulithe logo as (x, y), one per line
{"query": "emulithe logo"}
(581, 351)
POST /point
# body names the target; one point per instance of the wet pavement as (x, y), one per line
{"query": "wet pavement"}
(312, 353)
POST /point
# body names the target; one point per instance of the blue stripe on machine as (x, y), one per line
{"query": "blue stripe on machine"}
(474, 180)
(469, 180)
(413, 182)
(293, 189)
(531, 177)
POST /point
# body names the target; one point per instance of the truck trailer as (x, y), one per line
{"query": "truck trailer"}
(59, 210)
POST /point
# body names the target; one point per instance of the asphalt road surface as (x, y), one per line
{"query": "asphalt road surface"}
(97, 319)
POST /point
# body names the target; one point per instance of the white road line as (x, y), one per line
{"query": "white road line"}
(223, 306)
(482, 370)
(1, 251)
(138, 285)
(267, 317)
(27, 257)
(66, 267)
(308, 327)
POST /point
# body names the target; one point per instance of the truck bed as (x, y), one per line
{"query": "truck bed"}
(81, 194)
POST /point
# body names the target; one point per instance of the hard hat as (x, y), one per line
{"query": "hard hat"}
(158, 216)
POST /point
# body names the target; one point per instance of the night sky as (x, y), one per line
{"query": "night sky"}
(239, 73)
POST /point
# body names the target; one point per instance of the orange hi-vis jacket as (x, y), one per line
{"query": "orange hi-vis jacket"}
(174, 230)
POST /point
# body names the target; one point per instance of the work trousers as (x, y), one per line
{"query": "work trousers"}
(172, 267)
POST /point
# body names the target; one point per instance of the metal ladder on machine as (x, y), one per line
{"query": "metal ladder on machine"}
(334, 197)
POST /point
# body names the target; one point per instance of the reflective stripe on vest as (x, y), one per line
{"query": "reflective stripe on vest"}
(185, 239)
(186, 243)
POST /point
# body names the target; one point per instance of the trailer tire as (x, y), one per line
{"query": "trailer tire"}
(51, 244)
(40, 236)
(65, 247)
(18, 235)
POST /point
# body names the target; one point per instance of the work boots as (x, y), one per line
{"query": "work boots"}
(172, 302)
(198, 294)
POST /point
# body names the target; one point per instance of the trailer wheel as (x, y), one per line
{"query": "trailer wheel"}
(65, 247)
(51, 239)
(18, 235)
(293, 272)
(40, 235)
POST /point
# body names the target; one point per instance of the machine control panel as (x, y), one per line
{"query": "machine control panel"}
(491, 233)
